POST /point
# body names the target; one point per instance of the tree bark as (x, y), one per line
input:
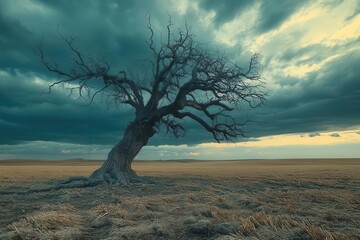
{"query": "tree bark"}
(117, 168)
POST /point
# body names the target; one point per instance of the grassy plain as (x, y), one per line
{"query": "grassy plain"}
(259, 199)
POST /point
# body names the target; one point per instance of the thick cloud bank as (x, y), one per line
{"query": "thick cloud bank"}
(310, 54)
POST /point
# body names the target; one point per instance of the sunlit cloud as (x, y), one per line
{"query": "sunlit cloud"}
(319, 30)
(181, 6)
(230, 33)
(300, 71)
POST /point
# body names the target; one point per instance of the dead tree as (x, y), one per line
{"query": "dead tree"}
(186, 81)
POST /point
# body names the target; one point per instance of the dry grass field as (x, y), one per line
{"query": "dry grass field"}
(261, 199)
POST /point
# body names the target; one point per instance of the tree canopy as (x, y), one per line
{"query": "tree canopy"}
(187, 80)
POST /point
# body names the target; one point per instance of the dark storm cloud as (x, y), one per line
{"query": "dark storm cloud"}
(314, 53)
(335, 135)
(226, 10)
(15, 42)
(326, 99)
(115, 29)
(274, 13)
(27, 115)
(271, 13)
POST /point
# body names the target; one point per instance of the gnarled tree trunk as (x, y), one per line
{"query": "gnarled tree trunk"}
(184, 82)
(117, 168)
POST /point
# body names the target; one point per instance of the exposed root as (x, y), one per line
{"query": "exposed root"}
(121, 179)
(73, 182)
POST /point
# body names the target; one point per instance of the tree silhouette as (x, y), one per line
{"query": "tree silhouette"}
(186, 81)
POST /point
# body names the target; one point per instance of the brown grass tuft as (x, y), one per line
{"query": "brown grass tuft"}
(110, 210)
(261, 219)
(49, 225)
(317, 233)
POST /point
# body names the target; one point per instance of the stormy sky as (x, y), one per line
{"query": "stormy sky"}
(310, 56)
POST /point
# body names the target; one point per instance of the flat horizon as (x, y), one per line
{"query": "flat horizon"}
(182, 159)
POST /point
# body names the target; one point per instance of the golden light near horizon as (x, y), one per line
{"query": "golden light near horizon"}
(325, 144)
(312, 139)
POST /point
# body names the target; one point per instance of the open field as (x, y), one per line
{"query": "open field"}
(260, 199)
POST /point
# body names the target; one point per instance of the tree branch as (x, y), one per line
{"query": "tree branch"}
(220, 131)
(186, 81)
(86, 74)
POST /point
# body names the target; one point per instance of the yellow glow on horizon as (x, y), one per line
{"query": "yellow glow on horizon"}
(324, 138)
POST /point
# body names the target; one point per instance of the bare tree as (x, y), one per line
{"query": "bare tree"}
(186, 81)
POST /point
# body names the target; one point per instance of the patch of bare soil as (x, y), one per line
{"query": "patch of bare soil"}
(213, 200)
